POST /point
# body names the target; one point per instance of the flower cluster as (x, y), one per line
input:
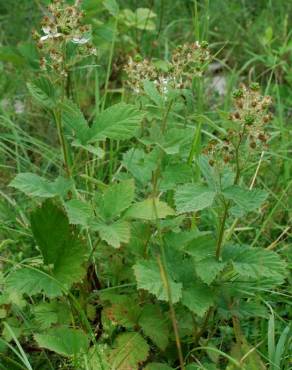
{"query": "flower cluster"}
(251, 114)
(187, 61)
(62, 25)
(248, 120)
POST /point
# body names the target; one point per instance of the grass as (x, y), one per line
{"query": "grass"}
(125, 255)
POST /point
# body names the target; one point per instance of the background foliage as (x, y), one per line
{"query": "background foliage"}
(125, 248)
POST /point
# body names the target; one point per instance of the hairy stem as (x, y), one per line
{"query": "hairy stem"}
(221, 231)
(172, 313)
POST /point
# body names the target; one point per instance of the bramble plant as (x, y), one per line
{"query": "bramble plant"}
(136, 262)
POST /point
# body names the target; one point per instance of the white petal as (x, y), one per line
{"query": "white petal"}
(43, 38)
(80, 40)
(47, 30)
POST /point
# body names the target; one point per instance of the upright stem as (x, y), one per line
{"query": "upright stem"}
(221, 231)
(172, 312)
(62, 141)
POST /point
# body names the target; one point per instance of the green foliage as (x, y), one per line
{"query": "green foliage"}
(61, 248)
(149, 209)
(192, 198)
(129, 350)
(36, 186)
(119, 122)
(64, 341)
(32, 281)
(144, 211)
(149, 277)
(155, 325)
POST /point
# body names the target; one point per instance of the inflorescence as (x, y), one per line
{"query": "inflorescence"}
(248, 120)
(187, 61)
(62, 25)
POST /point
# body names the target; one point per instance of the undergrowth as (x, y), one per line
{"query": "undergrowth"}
(145, 208)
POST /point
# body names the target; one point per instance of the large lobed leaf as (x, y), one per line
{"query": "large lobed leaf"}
(150, 209)
(255, 263)
(148, 276)
(193, 197)
(59, 245)
(119, 122)
(37, 186)
(130, 350)
(64, 341)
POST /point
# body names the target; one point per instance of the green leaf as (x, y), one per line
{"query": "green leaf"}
(93, 149)
(123, 310)
(48, 313)
(64, 341)
(43, 92)
(117, 198)
(207, 269)
(155, 325)
(152, 92)
(140, 164)
(148, 277)
(175, 174)
(198, 298)
(255, 262)
(193, 197)
(112, 6)
(79, 212)
(36, 186)
(211, 176)
(73, 118)
(119, 122)
(150, 209)
(173, 140)
(130, 350)
(32, 281)
(245, 199)
(60, 246)
(114, 234)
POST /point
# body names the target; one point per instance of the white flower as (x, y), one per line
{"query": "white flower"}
(80, 39)
(19, 106)
(50, 33)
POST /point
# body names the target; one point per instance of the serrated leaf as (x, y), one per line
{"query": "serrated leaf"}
(148, 277)
(115, 233)
(155, 325)
(175, 174)
(130, 350)
(117, 198)
(210, 175)
(119, 122)
(124, 310)
(193, 197)
(96, 150)
(200, 247)
(43, 92)
(79, 212)
(255, 262)
(48, 313)
(112, 6)
(198, 298)
(32, 281)
(64, 341)
(37, 186)
(150, 209)
(140, 164)
(60, 246)
(152, 92)
(247, 200)
(208, 268)
(73, 118)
